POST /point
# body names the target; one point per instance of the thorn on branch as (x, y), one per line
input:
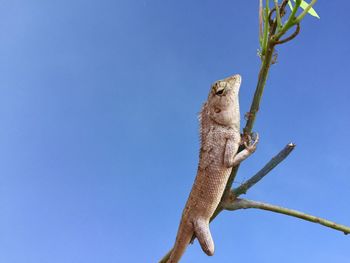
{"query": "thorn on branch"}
(248, 115)
(274, 58)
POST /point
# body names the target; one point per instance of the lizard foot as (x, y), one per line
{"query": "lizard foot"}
(251, 142)
(202, 232)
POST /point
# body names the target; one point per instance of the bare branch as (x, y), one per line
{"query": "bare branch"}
(166, 257)
(242, 189)
(245, 204)
(276, 160)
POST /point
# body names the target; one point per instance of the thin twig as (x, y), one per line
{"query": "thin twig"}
(276, 160)
(242, 189)
(272, 23)
(245, 204)
(283, 7)
(266, 29)
(278, 15)
(296, 32)
(290, 22)
(260, 22)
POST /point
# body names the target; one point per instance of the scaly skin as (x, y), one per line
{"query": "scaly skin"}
(220, 139)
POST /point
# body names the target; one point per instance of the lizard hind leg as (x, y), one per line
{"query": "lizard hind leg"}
(202, 232)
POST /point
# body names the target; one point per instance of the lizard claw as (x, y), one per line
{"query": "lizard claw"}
(251, 144)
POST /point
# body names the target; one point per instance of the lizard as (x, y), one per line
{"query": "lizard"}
(220, 140)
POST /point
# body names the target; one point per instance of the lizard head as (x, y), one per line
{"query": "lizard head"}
(223, 102)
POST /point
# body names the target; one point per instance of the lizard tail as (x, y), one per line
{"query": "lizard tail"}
(183, 238)
(200, 228)
(202, 232)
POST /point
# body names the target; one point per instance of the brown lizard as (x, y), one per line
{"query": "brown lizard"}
(220, 139)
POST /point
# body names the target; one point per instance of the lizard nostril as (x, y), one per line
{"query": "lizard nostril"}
(217, 110)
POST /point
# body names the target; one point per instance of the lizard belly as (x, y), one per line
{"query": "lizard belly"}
(208, 189)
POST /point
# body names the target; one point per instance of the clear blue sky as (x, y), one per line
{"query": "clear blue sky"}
(99, 130)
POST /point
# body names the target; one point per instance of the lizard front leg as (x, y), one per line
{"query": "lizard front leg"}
(232, 158)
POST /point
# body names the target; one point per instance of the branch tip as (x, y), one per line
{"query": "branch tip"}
(276, 160)
(245, 204)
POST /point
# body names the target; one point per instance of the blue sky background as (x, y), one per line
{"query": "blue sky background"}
(99, 131)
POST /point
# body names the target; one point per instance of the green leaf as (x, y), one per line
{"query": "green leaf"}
(311, 11)
(290, 5)
(304, 5)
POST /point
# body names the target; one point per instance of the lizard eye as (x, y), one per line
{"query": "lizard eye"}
(220, 92)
